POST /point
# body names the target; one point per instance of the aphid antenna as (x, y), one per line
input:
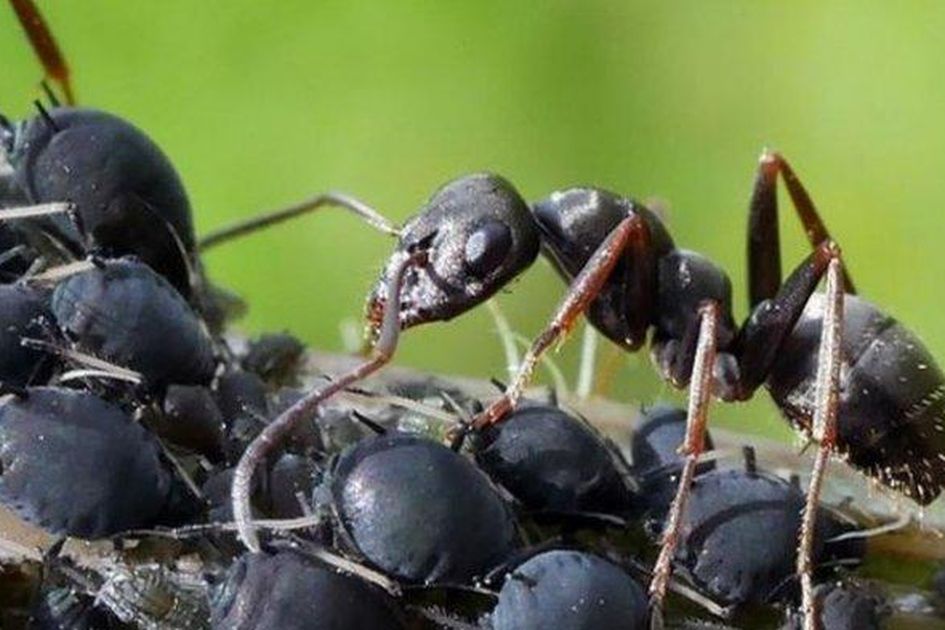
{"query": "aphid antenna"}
(181, 471)
(38, 210)
(11, 253)
(46, 116)
(681, 588)
(50, 95)
(372, 425)
(54, 275)
(506, 337)
(462, 415)
(115, 371)
(903, 521)
(337, 199)
(751, 461)
(85, 373)
(346, 565)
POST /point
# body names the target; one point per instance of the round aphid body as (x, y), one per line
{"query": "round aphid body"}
(21, 309)
(127, 314)
(738, 540)
(420, 512)
(569, 590)
(551, 461)
(844, 606)
(478, 233)
(288, 591)
(190, 418)
(655, 457)
(128, 196)
(891, 415)
(74, 464)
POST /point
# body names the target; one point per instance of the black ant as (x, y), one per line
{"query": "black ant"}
(884, 415)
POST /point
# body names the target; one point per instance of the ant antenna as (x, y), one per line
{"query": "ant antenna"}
(46, 116)
(50, 95)
(365, 212)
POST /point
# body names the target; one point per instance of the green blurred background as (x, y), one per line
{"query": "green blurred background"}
(264, 103)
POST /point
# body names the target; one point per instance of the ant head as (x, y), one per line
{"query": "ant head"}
(478, 234)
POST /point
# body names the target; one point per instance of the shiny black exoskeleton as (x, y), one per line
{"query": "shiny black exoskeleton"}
(127, 197)
(552, 461)
(74, 464)
(478, 234)
(125, 313)
(290, 591)
(569, 590)
(738, 540)
(420, 512)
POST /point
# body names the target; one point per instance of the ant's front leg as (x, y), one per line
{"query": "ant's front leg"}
(630, 237)
(269, 438)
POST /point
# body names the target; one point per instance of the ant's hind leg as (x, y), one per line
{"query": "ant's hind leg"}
(631, 236)
(700, 390)
(764, 241)
(269, 438)
(824, 431)
(368, 214)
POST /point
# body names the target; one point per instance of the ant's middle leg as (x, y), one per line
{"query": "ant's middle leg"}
(700, 391)
(631, 237)
(764, 242)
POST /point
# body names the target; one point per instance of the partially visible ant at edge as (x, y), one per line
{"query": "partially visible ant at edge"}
(625, 273)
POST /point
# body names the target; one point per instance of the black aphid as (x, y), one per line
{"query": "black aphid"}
(420, 512)
(74, 464)
(552, 461)
(21, 310)
(569, 590)
(124, 312)
(738, 538)
(289, 592)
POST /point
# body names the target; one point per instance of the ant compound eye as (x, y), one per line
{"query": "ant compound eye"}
(487, 248)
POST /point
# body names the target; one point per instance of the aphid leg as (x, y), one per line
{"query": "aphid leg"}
(764, 243)
(632, 235)
(371, 216)
(700, 391)
(44, 45)
(40, 210)
(824, 431)
(269, 438)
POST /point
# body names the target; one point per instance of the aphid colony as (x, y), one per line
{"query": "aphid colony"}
(127, 414)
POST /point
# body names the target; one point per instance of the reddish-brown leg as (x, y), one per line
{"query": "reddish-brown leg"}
(44, 45)
(632, 235)
(700, 392)
(824, 432)
(269, 437)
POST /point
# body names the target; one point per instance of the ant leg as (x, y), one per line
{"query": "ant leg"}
(631, 236)
(371, 216)
(275, 431)
(824, 431)
(764, 245)
(772, 320)
(44, 45)
(700, 390)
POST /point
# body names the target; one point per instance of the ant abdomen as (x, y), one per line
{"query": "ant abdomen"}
(891, 414)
